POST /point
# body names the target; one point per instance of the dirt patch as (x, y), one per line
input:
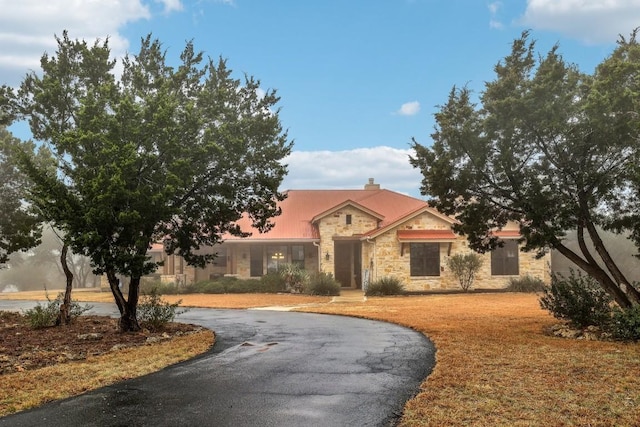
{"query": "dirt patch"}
(23, 348)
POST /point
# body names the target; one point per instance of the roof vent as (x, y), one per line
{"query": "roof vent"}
(371, 185)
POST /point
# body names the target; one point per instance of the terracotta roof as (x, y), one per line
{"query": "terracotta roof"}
(507, 234)
(301, 206)
(426, 235)
(157, 247)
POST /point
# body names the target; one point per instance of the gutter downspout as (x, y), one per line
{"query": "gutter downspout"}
(372, 263)
(317, 245)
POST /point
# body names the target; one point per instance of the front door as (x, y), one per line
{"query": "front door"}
(347, 263)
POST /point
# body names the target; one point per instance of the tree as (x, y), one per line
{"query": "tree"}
(549, 148)
(164, 154)
(465, 267)
(19, 224)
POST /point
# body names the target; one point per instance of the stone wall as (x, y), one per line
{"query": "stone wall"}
(335, 225)
(387, 257)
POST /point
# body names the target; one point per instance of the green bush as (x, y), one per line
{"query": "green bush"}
(464, 267)
(625, 324)
(295, 278)
(273, 282)
(44, 316)
(385, 286)
(147, 286)
(578, 299)
(526, 284)
(245, 286)
(270, 283)
(154, 313)
(205, 287)
(322, 284)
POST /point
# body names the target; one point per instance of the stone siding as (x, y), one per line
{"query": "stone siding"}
(335, 225)
(386, 256)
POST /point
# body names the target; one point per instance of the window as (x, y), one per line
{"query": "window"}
(221, 258)
(425, 259)
(256, 261)
(297, 256)
(504, 260)
(276, 256)
(348, 219)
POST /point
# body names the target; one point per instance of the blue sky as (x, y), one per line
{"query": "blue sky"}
(357, 78)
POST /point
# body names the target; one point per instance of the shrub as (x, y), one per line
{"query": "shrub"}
(270, 283)
(578, 299)
(154, 313)
(295, 278)
(273, 282)
(322, 284)
(385, 286)
(44, 316)
(625, 324)
(526, 284)
(465, 267)
(147, 286)
(244, 286)
(41, 316)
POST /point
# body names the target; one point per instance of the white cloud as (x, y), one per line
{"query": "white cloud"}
(27, 28)
(351, 169)
(409, 109)
(591, 21)
(494, 8)
(171, 5)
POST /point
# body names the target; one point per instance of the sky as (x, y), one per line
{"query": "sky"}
(358, 79)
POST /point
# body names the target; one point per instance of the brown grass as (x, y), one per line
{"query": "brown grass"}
(188, 300)
(494, 367)
(23, 390)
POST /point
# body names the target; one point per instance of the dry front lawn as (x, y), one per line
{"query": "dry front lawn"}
(495, 367)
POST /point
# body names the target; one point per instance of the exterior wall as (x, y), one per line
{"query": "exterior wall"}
(390, 259)
(240, 257)
(387, 257)
(335, 225)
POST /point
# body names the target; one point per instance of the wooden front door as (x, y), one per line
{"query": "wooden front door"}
(347, 266)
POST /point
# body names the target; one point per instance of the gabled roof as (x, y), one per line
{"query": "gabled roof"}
(410, 215)
(344, 205)
(302, 207)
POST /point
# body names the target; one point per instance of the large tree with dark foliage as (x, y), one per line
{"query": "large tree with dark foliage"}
(548, 147)
(20, 226)
(161, 154)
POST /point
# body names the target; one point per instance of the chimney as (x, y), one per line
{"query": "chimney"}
(371, 185)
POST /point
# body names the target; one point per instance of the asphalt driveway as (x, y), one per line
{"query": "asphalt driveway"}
(267, 368)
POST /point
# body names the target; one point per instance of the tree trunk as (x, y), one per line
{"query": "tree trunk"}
(595, 271)
(129, 320)
(115, 289)
(632, 293)
(64, 316)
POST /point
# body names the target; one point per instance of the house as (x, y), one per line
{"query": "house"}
(359, 236)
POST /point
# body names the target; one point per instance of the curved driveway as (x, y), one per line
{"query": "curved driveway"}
(267, 368)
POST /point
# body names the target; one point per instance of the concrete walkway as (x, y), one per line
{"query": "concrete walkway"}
(350, 296)
(346, 296)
